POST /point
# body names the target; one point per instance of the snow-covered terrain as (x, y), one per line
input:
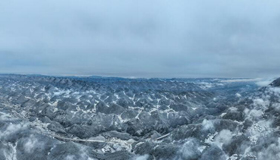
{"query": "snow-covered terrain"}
(87, 118)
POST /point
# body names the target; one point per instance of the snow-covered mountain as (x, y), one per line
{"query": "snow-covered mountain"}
(44, 117)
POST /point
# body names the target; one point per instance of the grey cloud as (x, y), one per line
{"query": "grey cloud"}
(158, 38)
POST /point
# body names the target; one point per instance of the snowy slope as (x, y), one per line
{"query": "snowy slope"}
(43, 117)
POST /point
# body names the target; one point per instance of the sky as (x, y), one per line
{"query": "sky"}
(141, 38)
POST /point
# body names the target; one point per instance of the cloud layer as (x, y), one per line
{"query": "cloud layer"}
(158, 38)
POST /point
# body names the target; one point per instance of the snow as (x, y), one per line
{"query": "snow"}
(207, 125)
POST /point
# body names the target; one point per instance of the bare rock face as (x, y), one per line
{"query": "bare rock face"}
(44, 117)
(276, 83)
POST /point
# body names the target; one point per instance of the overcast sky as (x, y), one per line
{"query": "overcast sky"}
(141, 38)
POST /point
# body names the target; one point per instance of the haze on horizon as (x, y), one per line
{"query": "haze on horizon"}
(160, 38)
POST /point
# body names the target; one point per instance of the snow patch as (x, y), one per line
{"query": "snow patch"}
(224, 137)
(141, 157)
(31, 143)
(238, 95)
(207, 125)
